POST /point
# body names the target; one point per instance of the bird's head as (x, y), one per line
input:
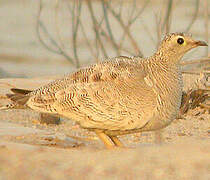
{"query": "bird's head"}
(175, 45)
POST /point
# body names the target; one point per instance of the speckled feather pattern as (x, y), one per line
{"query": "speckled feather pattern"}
(120, 95)
(114, 96)
(109, 95)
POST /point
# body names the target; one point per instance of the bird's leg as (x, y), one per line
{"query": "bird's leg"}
(116, 141)
(158, 136)
(106, 140)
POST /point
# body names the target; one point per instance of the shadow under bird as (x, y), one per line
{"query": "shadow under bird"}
(121, 95)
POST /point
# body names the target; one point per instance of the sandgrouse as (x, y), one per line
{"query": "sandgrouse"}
(119, 96)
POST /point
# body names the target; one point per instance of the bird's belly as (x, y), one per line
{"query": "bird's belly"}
(118, 120)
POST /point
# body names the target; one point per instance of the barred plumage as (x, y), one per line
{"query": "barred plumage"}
(119, 96)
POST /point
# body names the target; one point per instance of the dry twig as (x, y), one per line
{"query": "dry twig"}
(58, 49)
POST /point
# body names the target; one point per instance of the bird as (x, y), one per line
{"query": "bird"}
(118, 96)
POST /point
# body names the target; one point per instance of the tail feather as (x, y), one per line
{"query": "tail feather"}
(20, 91)
(19, 99)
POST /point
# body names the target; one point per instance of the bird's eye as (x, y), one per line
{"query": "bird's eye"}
(180, 40)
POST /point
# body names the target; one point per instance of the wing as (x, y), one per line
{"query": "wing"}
(108, 95)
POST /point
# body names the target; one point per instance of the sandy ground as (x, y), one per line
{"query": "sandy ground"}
(31, 149)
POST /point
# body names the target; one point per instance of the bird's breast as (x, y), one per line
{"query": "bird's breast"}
(168, 90)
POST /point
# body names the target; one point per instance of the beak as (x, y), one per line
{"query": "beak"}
(200, 43)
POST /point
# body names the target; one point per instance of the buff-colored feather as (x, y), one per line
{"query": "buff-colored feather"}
(121, 95)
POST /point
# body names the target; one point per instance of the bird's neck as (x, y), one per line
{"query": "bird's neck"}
(166, 57)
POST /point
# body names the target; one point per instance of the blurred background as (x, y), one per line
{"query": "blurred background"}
(51, 37)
